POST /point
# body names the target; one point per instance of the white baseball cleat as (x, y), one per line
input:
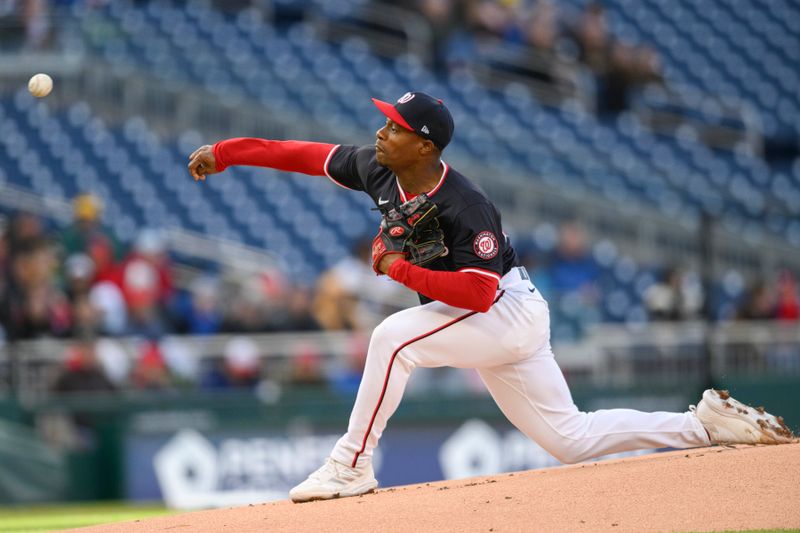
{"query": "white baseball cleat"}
(731, 422)
(335, 480)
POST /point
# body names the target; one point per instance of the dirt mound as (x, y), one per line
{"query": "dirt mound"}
(719, 488)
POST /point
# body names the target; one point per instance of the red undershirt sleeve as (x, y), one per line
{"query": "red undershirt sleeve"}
(289, 156)
(466, 290)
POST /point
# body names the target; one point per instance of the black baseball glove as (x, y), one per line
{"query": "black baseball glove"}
(411, 230)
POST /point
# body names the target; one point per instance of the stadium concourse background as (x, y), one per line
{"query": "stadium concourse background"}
(201, 343)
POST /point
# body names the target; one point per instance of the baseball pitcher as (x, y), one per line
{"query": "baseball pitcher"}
(442, 237)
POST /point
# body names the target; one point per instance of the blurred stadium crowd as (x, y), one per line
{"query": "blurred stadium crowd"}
(81, 284)
(461, 28)
(91, 281)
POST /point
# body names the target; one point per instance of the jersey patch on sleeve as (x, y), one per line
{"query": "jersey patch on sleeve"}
(485, 245)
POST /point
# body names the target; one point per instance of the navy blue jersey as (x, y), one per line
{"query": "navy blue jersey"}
(473, 231)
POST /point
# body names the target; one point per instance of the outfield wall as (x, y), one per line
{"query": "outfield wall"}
(210, 450)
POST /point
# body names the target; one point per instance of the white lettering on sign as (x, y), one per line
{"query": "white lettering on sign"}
(477, 449)
(194, 474)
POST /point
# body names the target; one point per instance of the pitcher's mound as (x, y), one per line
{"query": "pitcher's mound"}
(706, 489)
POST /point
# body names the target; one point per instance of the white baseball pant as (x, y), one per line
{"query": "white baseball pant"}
(510, 347)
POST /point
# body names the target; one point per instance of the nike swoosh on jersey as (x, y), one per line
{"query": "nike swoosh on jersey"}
(381, 201)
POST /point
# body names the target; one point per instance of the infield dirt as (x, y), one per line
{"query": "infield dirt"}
(704, 489)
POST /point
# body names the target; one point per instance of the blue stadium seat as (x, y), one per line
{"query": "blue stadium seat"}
(748, 51)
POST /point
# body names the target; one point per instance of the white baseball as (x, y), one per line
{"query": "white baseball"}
(40, 85)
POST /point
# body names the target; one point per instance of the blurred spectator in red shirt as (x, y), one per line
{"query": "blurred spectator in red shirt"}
(146, 282)
(788, 305)
(151, 371)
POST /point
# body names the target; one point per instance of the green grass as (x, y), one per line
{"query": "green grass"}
(761, 531)
(53, 517)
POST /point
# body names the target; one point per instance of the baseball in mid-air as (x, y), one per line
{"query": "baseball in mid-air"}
(40, 85)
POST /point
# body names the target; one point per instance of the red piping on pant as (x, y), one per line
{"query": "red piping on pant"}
(389, 372)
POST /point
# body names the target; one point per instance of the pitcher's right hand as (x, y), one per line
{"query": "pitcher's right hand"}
(202, 162)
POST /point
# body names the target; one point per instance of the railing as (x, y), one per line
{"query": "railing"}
(719, 122)
(551, 78)
(236, 256)
(662, 354)
(390, 31)
(30, 368)
(116, 92)
(673, 352)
